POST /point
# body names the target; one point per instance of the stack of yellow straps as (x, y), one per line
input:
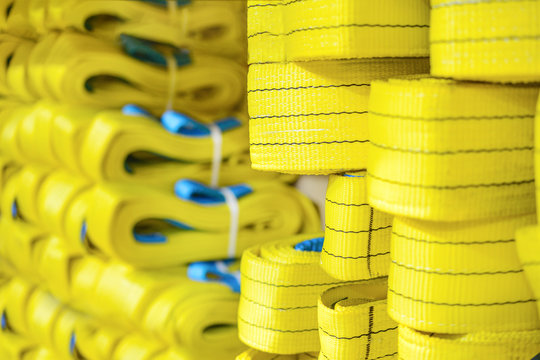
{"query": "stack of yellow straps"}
(310, 68)
(126, 190)
(453, 162)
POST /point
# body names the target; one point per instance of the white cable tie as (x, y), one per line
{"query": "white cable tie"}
(234, 213)
(217, 143)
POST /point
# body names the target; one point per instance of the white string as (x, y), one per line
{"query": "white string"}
(217, 143)
(172, 67)
(234, 213)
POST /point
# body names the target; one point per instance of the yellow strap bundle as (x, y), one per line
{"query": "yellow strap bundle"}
(515, 345)
(460, 277)
(354, 324)
(253, 354)
(120, 212)
(357, 237)
(278, 305)
(308, 88)
(79, 69)
(37, 315)
(486, 40)
(528, 248)
(437, 155)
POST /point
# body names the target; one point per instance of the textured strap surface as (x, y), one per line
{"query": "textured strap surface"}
(253, 354)
(278, 305)
(454, 278)
(357, 237)
(311, 64)
(518, 345)
(528, 248)
(488, 40)
(437, 155)
(354, 324)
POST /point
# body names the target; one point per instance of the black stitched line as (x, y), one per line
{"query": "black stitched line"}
(337, 27)
(368, 251)
(452, 152)
(455, 187)
(454, 243)
(304, 285)
(309, 355)
(275, 308)
(355, 257)
(370, 330)
(277, 330)
(531, 263)
(274, 4)
(313, 143)
(344, 204)
(494, 39)
(455, 273)
(455, 118)
(311, 114)
(308, 87)
(383, 356)
(357, 336)
(359, 231)
(457, 304)
(473, 2)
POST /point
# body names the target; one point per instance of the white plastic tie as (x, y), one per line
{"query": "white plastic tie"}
(234, 213)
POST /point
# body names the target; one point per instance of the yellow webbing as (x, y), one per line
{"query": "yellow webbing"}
(357, 237)
(79, 69)
(272, 211)
(354, 324)
(278, 305)
(528, 248)
(437, 155)
(311, 64)
(253, 354)
(459, 277)
(490, 40)
(515, 345)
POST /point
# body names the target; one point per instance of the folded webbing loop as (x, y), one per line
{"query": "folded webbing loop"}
(417, 345)
(486, 40)
(455, 278)
(357, 237)
(278, 305)
(437, 155)
(353, 322)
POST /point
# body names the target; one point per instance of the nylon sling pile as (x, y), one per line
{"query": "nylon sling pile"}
(357, 237)
(458, 175)
(310, 68)
(486, 40)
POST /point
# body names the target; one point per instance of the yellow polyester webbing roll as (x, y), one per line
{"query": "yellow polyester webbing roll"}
(537, 151)
(460, 277)
(357, 237)
(278, 305)
(437, 155)
(301, 93)
(486, 40)
(252, 354)
(528, 248)
(515, 345)
(354, 324)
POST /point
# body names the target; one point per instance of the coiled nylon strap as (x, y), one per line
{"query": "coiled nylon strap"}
(489, 40)
(354, 324)
(357, 237)
(308, 85)
(455, 278)
(437, 155)
(252, 354)
(79, 69)
(278, 305)
(518, 345)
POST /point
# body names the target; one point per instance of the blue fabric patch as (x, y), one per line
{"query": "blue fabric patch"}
(209, 271)
(145, 50)
(194, 191)
(182, 124)
(315, 244)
